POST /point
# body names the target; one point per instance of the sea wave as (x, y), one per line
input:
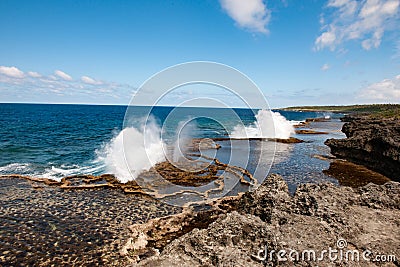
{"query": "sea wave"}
(134, 150)
(19, 168)
(52, 172)
(57, 173)
(268, 124)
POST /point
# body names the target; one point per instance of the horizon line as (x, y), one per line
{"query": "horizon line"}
(171, 106)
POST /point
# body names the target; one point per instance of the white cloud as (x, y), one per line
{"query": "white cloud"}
(60, 88)
(326, 39)
(365, 21)
(89, 80)
(63, 75)
(252, 15)
(325, 67)
(34, 74)
(387, 90)
(12, 72)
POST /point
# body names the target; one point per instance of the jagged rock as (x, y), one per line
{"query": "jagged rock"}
(269, 199)
(374, 143)
(224, 243)
(315, 218)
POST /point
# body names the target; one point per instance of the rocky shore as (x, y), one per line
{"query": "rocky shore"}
(239, 231)
(371, 141)
(46, 224)
(89, 220)
(359, 223)
(42, 224)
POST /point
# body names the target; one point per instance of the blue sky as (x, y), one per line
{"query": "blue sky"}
(297, 52)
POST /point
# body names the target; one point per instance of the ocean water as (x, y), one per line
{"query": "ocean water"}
(54, 141)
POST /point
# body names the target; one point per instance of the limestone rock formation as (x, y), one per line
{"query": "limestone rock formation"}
(318, 217)
(372, 142)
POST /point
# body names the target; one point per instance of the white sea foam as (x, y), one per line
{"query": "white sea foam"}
(133, 151)
(56, 173)
(268, 124)
(16, 168)
(52, 172)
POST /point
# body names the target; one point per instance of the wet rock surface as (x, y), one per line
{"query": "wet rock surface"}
(290, 140)
(84, 220)
(304, 131)
(94, 220)
(372, 142)
(315, 218)
(43, 225)
(354, 175)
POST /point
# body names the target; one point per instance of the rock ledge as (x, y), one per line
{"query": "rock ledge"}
(316, 217)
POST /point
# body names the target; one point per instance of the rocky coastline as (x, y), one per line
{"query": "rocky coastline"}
(248, 229)
(244, 230)
(371, 141)
(239, 231)
(224, 232)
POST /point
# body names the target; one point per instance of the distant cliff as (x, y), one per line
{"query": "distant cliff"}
(371, 141)
(376, 110)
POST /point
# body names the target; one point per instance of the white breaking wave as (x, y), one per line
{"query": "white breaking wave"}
(57, 173)
(52, 172)
(133, 151)
(128, 154)
(15, 168)
(268, 124)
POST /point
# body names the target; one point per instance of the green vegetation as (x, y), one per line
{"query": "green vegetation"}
(374, 110)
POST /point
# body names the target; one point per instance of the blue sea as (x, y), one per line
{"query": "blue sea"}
(56, 140)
